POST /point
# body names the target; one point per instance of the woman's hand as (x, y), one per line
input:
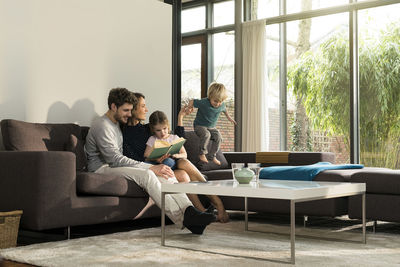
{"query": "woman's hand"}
(179, 156)
(162, 158)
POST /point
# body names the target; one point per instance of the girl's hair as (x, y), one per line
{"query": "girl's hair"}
(158, 117)
(217, 91)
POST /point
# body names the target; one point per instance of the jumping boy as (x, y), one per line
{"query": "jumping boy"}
(206, 118)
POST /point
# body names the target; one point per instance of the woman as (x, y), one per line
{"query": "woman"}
(136, 134)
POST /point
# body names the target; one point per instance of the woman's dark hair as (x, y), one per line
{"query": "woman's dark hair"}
(120, 96)
(138, 96)
(135, 105)
(158, 117)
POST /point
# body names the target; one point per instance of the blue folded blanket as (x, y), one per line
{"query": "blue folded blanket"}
(304, 173)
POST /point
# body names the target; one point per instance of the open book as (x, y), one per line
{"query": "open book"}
(161, 148)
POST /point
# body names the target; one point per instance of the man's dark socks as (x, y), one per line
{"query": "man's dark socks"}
(198, 230)
(210, 209)
(196, 221)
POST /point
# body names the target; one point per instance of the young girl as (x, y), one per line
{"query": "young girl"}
(159, 126)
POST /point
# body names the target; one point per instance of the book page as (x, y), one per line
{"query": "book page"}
(176, 147)
(160, 143)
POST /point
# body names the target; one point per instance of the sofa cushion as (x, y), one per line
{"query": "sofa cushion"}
(193, 150)
(379, 180)
(75, 145)
(220, 174)
(26, 136)
(336, 175)
(89, 183)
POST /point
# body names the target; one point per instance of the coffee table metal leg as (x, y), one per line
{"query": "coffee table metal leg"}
(162, 219)
(364, 238)
(246, 215)
(292, 231)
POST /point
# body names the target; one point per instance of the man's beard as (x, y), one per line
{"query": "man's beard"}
(119, 119)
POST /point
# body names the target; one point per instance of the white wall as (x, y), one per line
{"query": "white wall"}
(60, 58)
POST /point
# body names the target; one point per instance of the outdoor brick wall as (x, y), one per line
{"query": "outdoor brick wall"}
(274, 128)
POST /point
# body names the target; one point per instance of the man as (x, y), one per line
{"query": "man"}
(104, 152)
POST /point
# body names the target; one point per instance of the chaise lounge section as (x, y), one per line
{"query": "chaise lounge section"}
(382, 195)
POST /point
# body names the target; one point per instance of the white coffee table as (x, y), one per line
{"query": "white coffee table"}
(293, 191)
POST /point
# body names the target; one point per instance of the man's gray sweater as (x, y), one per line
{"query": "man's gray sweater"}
(104, 146)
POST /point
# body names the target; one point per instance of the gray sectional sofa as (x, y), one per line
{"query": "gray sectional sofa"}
(43, 172)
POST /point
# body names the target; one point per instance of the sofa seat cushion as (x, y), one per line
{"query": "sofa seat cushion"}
(193, 151)
(89, 183)
(379, 180)
(336, 175)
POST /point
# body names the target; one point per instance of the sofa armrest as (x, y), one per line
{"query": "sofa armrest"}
(40, 183)
(239, 157)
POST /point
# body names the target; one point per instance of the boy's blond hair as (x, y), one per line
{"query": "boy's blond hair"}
(217, 91)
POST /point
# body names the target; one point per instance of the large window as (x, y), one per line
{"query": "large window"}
(318, 85)
(224, 72)
(193, 19)
(379, 50)
(272, 85)
(319, 75)
(209, 60)
(191, 72)
(224, 13)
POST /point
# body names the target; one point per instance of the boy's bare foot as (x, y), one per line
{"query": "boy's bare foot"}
(203, 158)
(216, 161)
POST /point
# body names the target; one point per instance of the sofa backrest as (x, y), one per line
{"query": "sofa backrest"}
(193, 150)
(26, 136)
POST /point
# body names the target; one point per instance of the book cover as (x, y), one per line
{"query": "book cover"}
(161, 148)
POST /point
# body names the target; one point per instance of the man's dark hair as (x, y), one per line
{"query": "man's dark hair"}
(120, 96)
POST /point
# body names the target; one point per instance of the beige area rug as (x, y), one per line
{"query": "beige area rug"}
(220, 245)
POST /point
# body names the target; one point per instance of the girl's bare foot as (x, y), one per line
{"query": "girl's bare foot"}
(203, 158)
(223, 216)
(216, 161)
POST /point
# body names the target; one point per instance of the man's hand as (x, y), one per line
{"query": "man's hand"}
(162, 170)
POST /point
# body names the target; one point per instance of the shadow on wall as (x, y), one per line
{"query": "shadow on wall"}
(82, 113)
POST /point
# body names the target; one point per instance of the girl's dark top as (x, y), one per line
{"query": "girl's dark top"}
(135, 139)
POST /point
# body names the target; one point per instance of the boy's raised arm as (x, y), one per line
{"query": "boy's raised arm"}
(229, 117)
